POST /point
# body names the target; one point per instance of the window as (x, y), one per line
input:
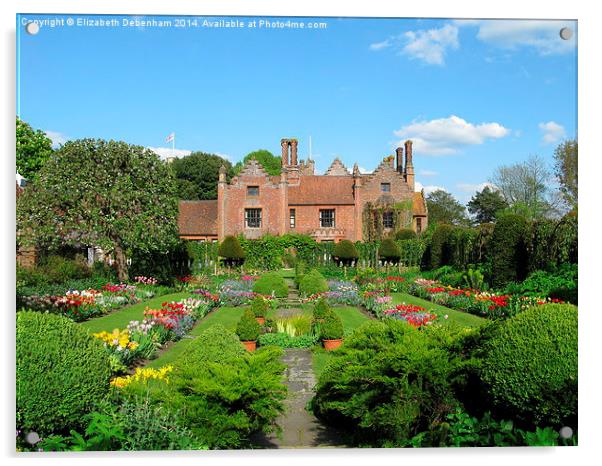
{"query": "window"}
(385, 187)
(388, 219)
(327, 218)
(252, 190)
(293, 217)
(253, 218)
(418, 225)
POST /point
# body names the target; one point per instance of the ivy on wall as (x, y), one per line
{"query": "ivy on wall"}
(372, 217)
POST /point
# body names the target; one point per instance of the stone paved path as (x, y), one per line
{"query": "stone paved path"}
(300, 428)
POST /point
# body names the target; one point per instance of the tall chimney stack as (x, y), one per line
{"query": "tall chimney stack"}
(284, 143)
(399, 152)
(294, 143)
(409, 167)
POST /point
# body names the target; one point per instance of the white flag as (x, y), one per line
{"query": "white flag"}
(171, 137)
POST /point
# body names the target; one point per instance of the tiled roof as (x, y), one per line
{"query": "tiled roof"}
(418, 204)
(322, 190)
(198, 218)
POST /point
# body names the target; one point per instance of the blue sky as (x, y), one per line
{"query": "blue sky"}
(472, 95)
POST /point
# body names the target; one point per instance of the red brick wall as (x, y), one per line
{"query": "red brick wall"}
(308, 219)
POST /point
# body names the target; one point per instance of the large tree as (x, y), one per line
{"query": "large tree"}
(565, 157)
(485, 205)
(34, 148)
(270, 163)
(197, 175)
(108, 194)
(526, 187)
(444, 208)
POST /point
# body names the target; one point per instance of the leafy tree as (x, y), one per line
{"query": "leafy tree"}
(108, 194)
(565, 157)
(197, 175)
(34, 148)
(270, 163)
(444, 208)
(485, 204)
(526, 187)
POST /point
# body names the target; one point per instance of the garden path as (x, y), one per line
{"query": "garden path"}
(300, 428)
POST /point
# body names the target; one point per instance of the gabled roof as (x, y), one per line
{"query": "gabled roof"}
(322, 190)
(337, 168)
(419, 204)
(197, 218)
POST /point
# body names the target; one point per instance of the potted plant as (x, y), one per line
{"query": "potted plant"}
(248, 330)
(260, 307)
(331, 331)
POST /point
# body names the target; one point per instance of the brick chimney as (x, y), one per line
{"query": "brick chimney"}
(409, 167)
(399, 154)
(284, 143)
(293, 143)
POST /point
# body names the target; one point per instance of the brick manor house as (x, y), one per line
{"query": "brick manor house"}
(331, 207)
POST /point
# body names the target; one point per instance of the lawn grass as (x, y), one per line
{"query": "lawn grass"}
(121, 318)
(458, 317)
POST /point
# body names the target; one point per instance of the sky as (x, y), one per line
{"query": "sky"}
(471, 94)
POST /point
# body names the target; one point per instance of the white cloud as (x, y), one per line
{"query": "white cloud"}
(426, 45)
(472, 188)
(552, 132)
(418, 186)
(363, 170)
(58, 139)
(443, 136)
(427, 173)
(543, 36)
(165, 152)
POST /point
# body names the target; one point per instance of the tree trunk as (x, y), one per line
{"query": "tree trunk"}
(121, 262)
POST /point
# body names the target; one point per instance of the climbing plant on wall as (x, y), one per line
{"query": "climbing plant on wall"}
(372, 217)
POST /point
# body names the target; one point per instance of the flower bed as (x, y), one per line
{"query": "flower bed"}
(416, 316)
(339, 292)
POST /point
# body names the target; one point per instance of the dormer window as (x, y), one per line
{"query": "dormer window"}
(252, 191)
(385, 187)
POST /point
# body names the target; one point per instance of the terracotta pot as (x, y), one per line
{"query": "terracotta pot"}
(330, 345)
(260, 320)
(250, 345)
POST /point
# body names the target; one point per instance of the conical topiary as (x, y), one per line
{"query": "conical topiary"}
(345, 252)
(389, 251)
(248, 329)
(231, 250)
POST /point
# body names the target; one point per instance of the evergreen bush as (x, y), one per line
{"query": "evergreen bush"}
(405, 234)
(248, 329)
(271, 283)
(332, 327)
(62, 372)
(530, 364)
(441, 250)
(312, 283)
(508, 250)
(389, 251)
(345, 252)
(231, 251)
(260, 306)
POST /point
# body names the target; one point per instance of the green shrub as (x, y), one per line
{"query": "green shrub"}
(388, 383)
(223, 393)
(271, 283)
(283, 340)
(508, 251)
(389, 251)
(248, 329)
(60, 269)
(530, 365)
(560, 283)
(61, 372)
(404, 234)
(260, 306)
(441, 250)
(319, 314)
(231, 250)
(312, 283)
(345, 252)
(332, 327)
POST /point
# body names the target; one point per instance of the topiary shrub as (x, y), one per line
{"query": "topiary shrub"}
(345, 252)
(271, 284)
(529, 368)
(231, 250)
(441, 250)
(389, 251)
(248, 329)
(223, 393)
(62, 371)
(508, 251)
(319, 313)
(405, 233)
(260, 306)
(332, 327)
(388, 382)
(312, 283)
